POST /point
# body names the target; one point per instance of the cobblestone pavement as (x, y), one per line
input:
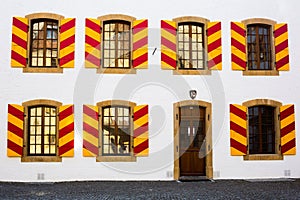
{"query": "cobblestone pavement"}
(220, 189)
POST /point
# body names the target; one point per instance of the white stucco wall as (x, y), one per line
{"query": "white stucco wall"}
(160, 89)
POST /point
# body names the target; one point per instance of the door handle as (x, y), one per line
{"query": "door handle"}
(194, 132)
(189, 131)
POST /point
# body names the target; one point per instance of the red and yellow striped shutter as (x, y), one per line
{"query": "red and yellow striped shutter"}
(238, 46)
(140, 44)
(281, 47)
(168, 44)
(287, 130)
(90, 131)
(214, 46)
(140, 132)
(19, 42)
(67, 43)
(238, 130)
(66, 131)
(15, 128)
(92, 43)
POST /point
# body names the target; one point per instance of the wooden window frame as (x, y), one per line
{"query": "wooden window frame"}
(266, 102)
(272, 71)
(259, 133)
(115, 158)
(26, 157)
(116, 17)
(28, 68)
(193, 20)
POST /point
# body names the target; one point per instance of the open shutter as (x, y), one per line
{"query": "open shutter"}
(92, 43)
(19, 42)
(287, 130)
(214, 46)
(238, 130)
(238, 46)
(67, 43)
(15, 128)
(168, 44)
(66, 131)
(281, 47)
(90, 131)
(140, 132)
(140, 44)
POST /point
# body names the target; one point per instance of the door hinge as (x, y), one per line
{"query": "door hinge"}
(208, 117)
(176, 116)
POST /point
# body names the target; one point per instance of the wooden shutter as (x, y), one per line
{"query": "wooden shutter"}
(19, 42)
(140, 44)
(92, 43)
(66, 131)
(214, 46)
(238, 46)
(15, 130)
(67, 43)
(90, 131)
(281, 47)
(238, 130)
(168, 44)
(140, 132)
(287, 130)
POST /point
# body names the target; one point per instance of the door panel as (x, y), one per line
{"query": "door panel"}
(192, 136)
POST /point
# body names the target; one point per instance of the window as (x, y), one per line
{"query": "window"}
(262, 129)
(191, 45)
(115, 131)
(259, 47)
(116, 47)
(40, 131)
(43, 42)
(116, 44)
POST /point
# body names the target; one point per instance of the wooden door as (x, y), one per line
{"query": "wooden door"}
(192, 141)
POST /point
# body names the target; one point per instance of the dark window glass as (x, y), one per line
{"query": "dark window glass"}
(42, 131)
(116, 44)
(191, 46)
(259, 47)
(261, 130)
(116, 130)
(44, 43)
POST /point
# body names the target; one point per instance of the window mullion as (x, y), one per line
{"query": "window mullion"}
(116, 45)
(190, 46)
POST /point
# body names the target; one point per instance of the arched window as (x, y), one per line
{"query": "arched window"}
(44, 43)
(116, 44)
(40, 131)
(191, 46)
(115, 130)
(262, 129)
(259, 47)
